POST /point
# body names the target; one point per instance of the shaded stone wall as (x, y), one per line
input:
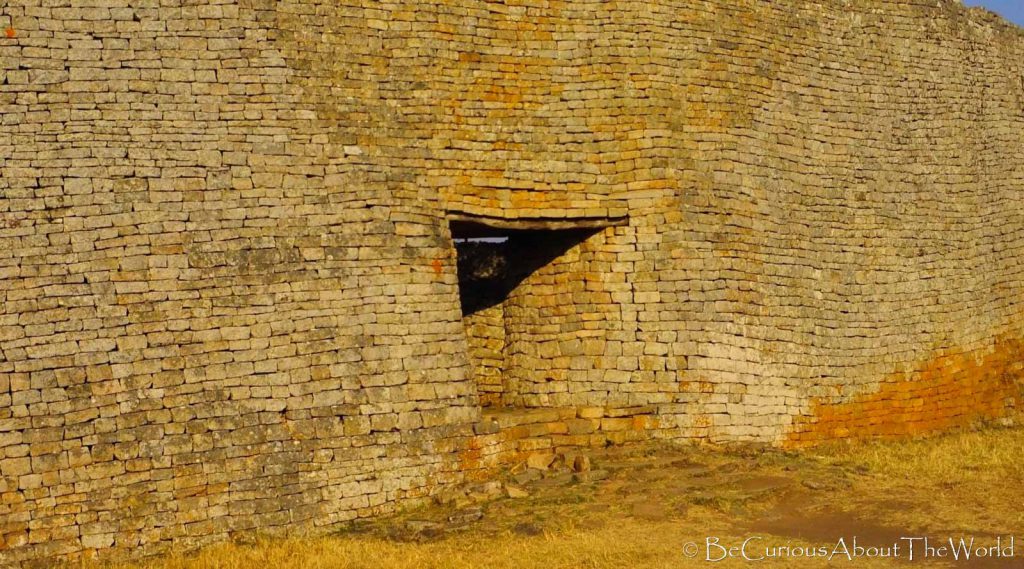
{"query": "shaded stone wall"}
(485, 338)
(228, 295)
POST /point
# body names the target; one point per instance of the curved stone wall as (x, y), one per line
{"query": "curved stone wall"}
(228, 294)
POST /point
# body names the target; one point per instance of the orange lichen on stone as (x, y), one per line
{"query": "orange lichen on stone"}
(952, 390)
(470, 459)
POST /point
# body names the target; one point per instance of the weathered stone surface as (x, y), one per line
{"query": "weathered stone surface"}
(540, 461)
(229, 293)
(581, 463)
(515, 492)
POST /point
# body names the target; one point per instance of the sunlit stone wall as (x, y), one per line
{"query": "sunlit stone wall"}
(228, 293)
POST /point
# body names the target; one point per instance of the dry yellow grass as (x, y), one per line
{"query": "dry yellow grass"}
(991, 455)
(956, 482)
(965, 481)
(608, 548)
(640, 545)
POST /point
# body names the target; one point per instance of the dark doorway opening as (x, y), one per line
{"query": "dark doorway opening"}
(492, 262)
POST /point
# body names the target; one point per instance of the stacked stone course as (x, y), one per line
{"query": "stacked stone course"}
(228, 290)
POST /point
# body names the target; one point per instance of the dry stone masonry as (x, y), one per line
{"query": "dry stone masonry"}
(230, 289)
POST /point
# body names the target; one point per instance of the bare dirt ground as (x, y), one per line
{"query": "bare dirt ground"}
(662, 506)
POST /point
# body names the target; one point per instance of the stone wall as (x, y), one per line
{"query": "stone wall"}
(228, 293)
(483, 287)
(218, 309)
(564, 343)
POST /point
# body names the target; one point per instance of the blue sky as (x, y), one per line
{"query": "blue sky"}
(1012, 10)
